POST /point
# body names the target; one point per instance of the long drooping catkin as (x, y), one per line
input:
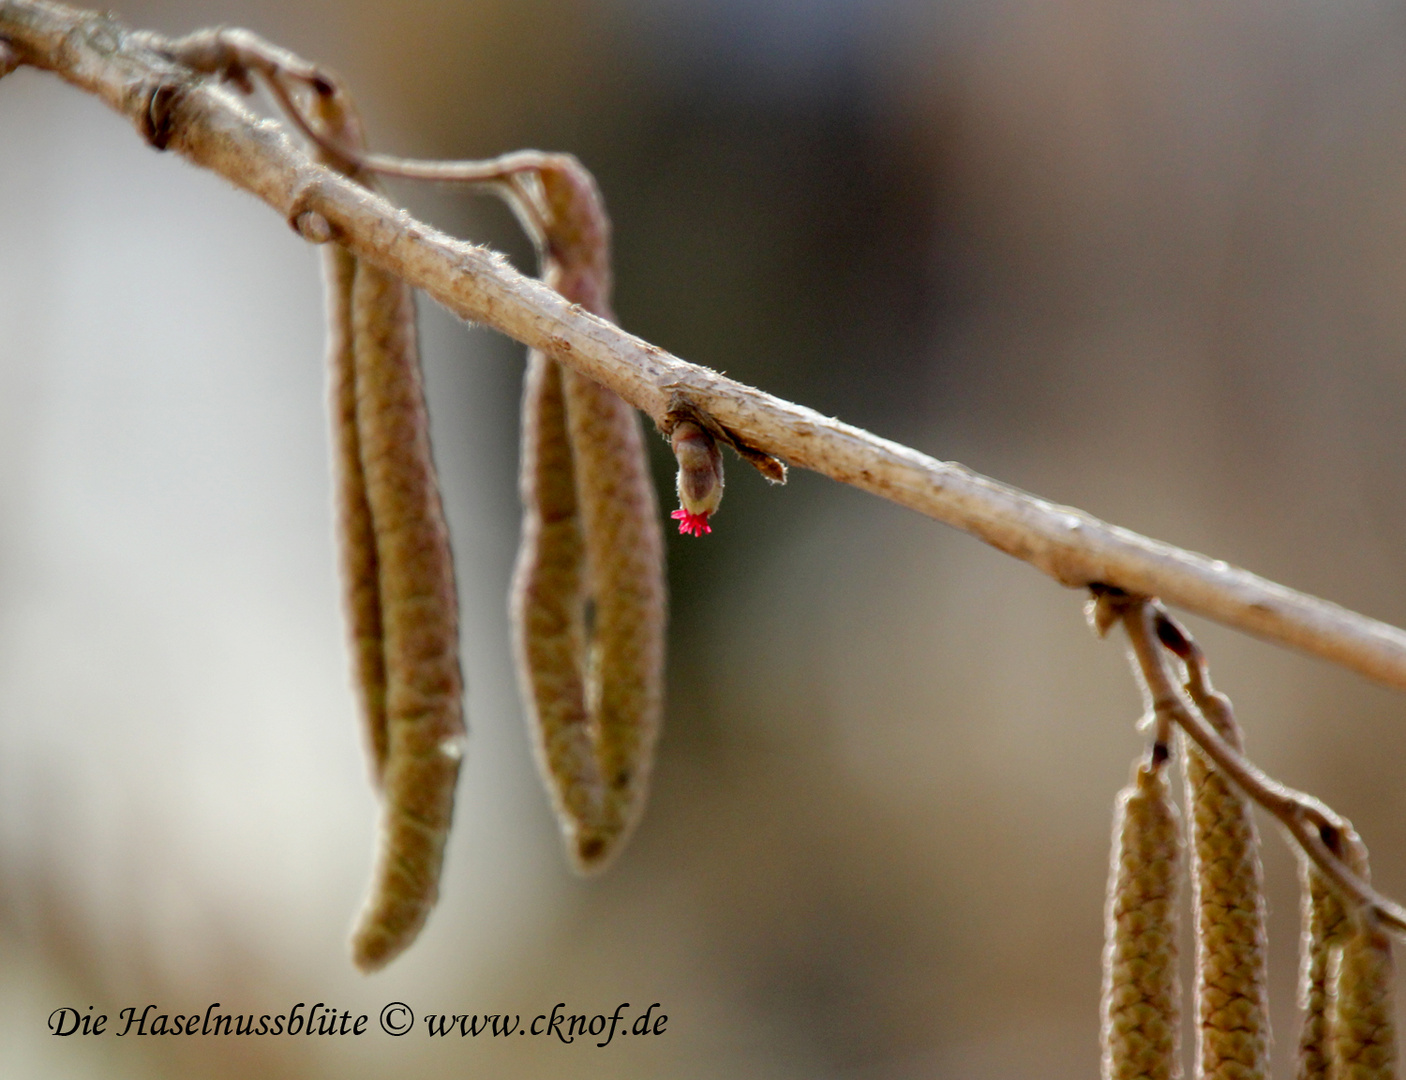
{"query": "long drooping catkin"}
(624, 556)
(419, 617)
(356, 537)
(1232, 1002)
(1360, 987)
(1325, 925)
(1141, 991)
(394, 546)
(399, 580)
(355, 534)
(548, 608)
(591, 533)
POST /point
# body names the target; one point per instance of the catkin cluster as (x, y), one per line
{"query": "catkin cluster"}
(397, 568)
(588, 601)
(398, 577)
(1346, 969)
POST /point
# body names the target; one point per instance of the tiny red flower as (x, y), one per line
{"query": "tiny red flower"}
(691, 524)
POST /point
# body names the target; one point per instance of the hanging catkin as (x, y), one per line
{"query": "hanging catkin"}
(1141, 991)
(419, 617)
(591, 536)
(1325, 925)
(1363, 1026)
(399, 579)
(1232, 1003)
(356, 539)
(1360, 987)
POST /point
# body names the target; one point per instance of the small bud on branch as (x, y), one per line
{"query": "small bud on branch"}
(700, 480)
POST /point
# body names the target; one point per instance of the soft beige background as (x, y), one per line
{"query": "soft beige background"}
(1145, 258)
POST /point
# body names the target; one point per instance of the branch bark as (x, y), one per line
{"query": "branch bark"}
(177, 109)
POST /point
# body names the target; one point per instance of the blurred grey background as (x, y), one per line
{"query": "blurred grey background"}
(1146, 258)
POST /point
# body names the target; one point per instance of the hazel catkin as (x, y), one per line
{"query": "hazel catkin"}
(1232, 1002)
(398, 577)
(419, 619)
(1141, 989)
(591, 542)
(1361, 981)
(1325, 925)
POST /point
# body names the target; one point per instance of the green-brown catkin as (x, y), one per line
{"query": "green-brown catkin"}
(1361, 982)
(591, 533)
(400, 589)
(1141, 989)
(1232, 1002)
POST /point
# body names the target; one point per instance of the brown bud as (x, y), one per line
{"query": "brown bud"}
(700, 480)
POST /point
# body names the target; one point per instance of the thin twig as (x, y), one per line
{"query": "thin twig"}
(175, 108)
(1307, 820)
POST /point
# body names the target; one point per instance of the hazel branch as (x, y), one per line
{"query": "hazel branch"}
(176, 108)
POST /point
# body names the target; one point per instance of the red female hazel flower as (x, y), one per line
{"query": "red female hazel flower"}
(700, 477)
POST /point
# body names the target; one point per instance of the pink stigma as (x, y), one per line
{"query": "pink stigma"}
(691, 524)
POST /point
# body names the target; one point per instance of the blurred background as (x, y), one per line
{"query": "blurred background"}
(1144, 258)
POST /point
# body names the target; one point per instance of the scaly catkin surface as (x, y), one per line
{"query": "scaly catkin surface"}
(1232, 1002)
(1325, 926)
(1141, 990)
(1361, 984)
(1363, 1025)
(624, 557)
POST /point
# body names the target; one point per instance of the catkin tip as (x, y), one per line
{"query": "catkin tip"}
(593, 850)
